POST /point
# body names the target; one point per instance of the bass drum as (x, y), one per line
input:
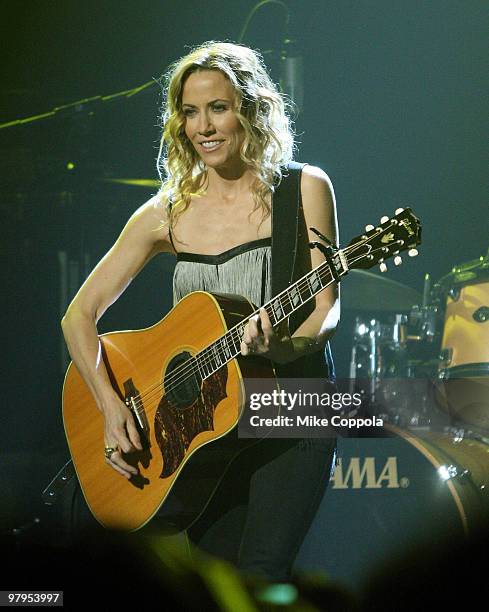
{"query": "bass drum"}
(390, 493)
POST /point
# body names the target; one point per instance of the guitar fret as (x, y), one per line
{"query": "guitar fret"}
(225, 347)
(315, 282)
(240, 333)
(199, 366)
(235, 343)
(295, 297)
(308, 288)
(204, 364)
(288, 306)
(278, 310)
(216, 355)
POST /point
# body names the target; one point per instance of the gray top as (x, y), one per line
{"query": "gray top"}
(243, 270)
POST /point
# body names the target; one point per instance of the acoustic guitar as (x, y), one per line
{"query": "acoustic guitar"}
(184, 381)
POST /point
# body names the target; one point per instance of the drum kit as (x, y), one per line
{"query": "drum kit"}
(425, 366)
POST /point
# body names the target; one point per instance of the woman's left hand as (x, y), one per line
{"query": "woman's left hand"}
(260, 338)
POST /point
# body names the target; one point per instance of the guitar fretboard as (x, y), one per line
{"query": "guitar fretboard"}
(228, 346)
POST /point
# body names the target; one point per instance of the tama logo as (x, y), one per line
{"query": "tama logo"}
(365, 473)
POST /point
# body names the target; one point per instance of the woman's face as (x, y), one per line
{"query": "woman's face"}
(207, 103)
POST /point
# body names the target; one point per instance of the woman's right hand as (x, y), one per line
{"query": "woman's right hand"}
(120, 433)
(144, 235)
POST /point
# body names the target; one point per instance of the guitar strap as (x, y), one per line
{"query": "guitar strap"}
(288, 227)
(290, 249)
(286, 206)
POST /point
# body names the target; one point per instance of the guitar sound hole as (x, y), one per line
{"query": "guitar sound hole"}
(182, 380)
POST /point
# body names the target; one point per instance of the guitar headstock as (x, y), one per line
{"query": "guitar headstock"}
(402, 232)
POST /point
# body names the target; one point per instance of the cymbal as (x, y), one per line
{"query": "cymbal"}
(367, 291)
(148, 183)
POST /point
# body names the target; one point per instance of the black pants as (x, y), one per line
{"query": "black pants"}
(265, 505)
(262, 510)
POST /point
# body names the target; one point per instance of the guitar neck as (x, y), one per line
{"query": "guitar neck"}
(228, 346)
(399, 233)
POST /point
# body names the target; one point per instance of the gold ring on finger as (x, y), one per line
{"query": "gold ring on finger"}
(109, 451)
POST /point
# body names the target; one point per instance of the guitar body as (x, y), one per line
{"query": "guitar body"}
(187, 429)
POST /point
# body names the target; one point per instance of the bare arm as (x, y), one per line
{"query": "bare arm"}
(139, 241)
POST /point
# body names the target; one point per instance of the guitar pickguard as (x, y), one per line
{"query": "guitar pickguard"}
(176, 427)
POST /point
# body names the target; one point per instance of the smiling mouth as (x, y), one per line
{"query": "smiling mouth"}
(211, 145)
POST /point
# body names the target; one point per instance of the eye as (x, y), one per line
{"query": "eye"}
(217, 108)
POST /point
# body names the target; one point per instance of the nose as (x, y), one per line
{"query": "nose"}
(205, 126)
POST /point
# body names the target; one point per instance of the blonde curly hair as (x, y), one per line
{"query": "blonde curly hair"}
(261, 109)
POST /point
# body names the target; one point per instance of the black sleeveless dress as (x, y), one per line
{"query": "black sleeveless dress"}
(266, 502)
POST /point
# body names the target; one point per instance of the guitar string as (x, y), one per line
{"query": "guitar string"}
(188, 366)
(180, 374)
(149, 402)
(235, 331)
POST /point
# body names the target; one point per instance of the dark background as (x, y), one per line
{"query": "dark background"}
(395, 111)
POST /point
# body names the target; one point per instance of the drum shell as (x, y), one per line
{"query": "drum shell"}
(465, 340)
(464, 356)
(388, 494)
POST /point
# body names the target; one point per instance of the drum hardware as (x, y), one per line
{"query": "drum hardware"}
(423, 320)
(449, 472)
(423, 323)
(481, 315)
(458, 435)
(444, 340)
(380, 368)
(445, 357)
(454, 293)
(470, 370)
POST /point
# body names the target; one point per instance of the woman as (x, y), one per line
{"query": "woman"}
(226, 141)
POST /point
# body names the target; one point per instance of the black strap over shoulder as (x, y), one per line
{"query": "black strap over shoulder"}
(289, 251)
(286, 214)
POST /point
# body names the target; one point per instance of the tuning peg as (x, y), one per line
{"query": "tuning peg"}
(413, 252)
(384, 219)
(383, 267)
(399, 210)
(397, 260)
(369, 228)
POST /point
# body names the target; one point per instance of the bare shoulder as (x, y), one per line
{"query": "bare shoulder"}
(151, 212)
(318, 202)
(150, 222)
(315, 181)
